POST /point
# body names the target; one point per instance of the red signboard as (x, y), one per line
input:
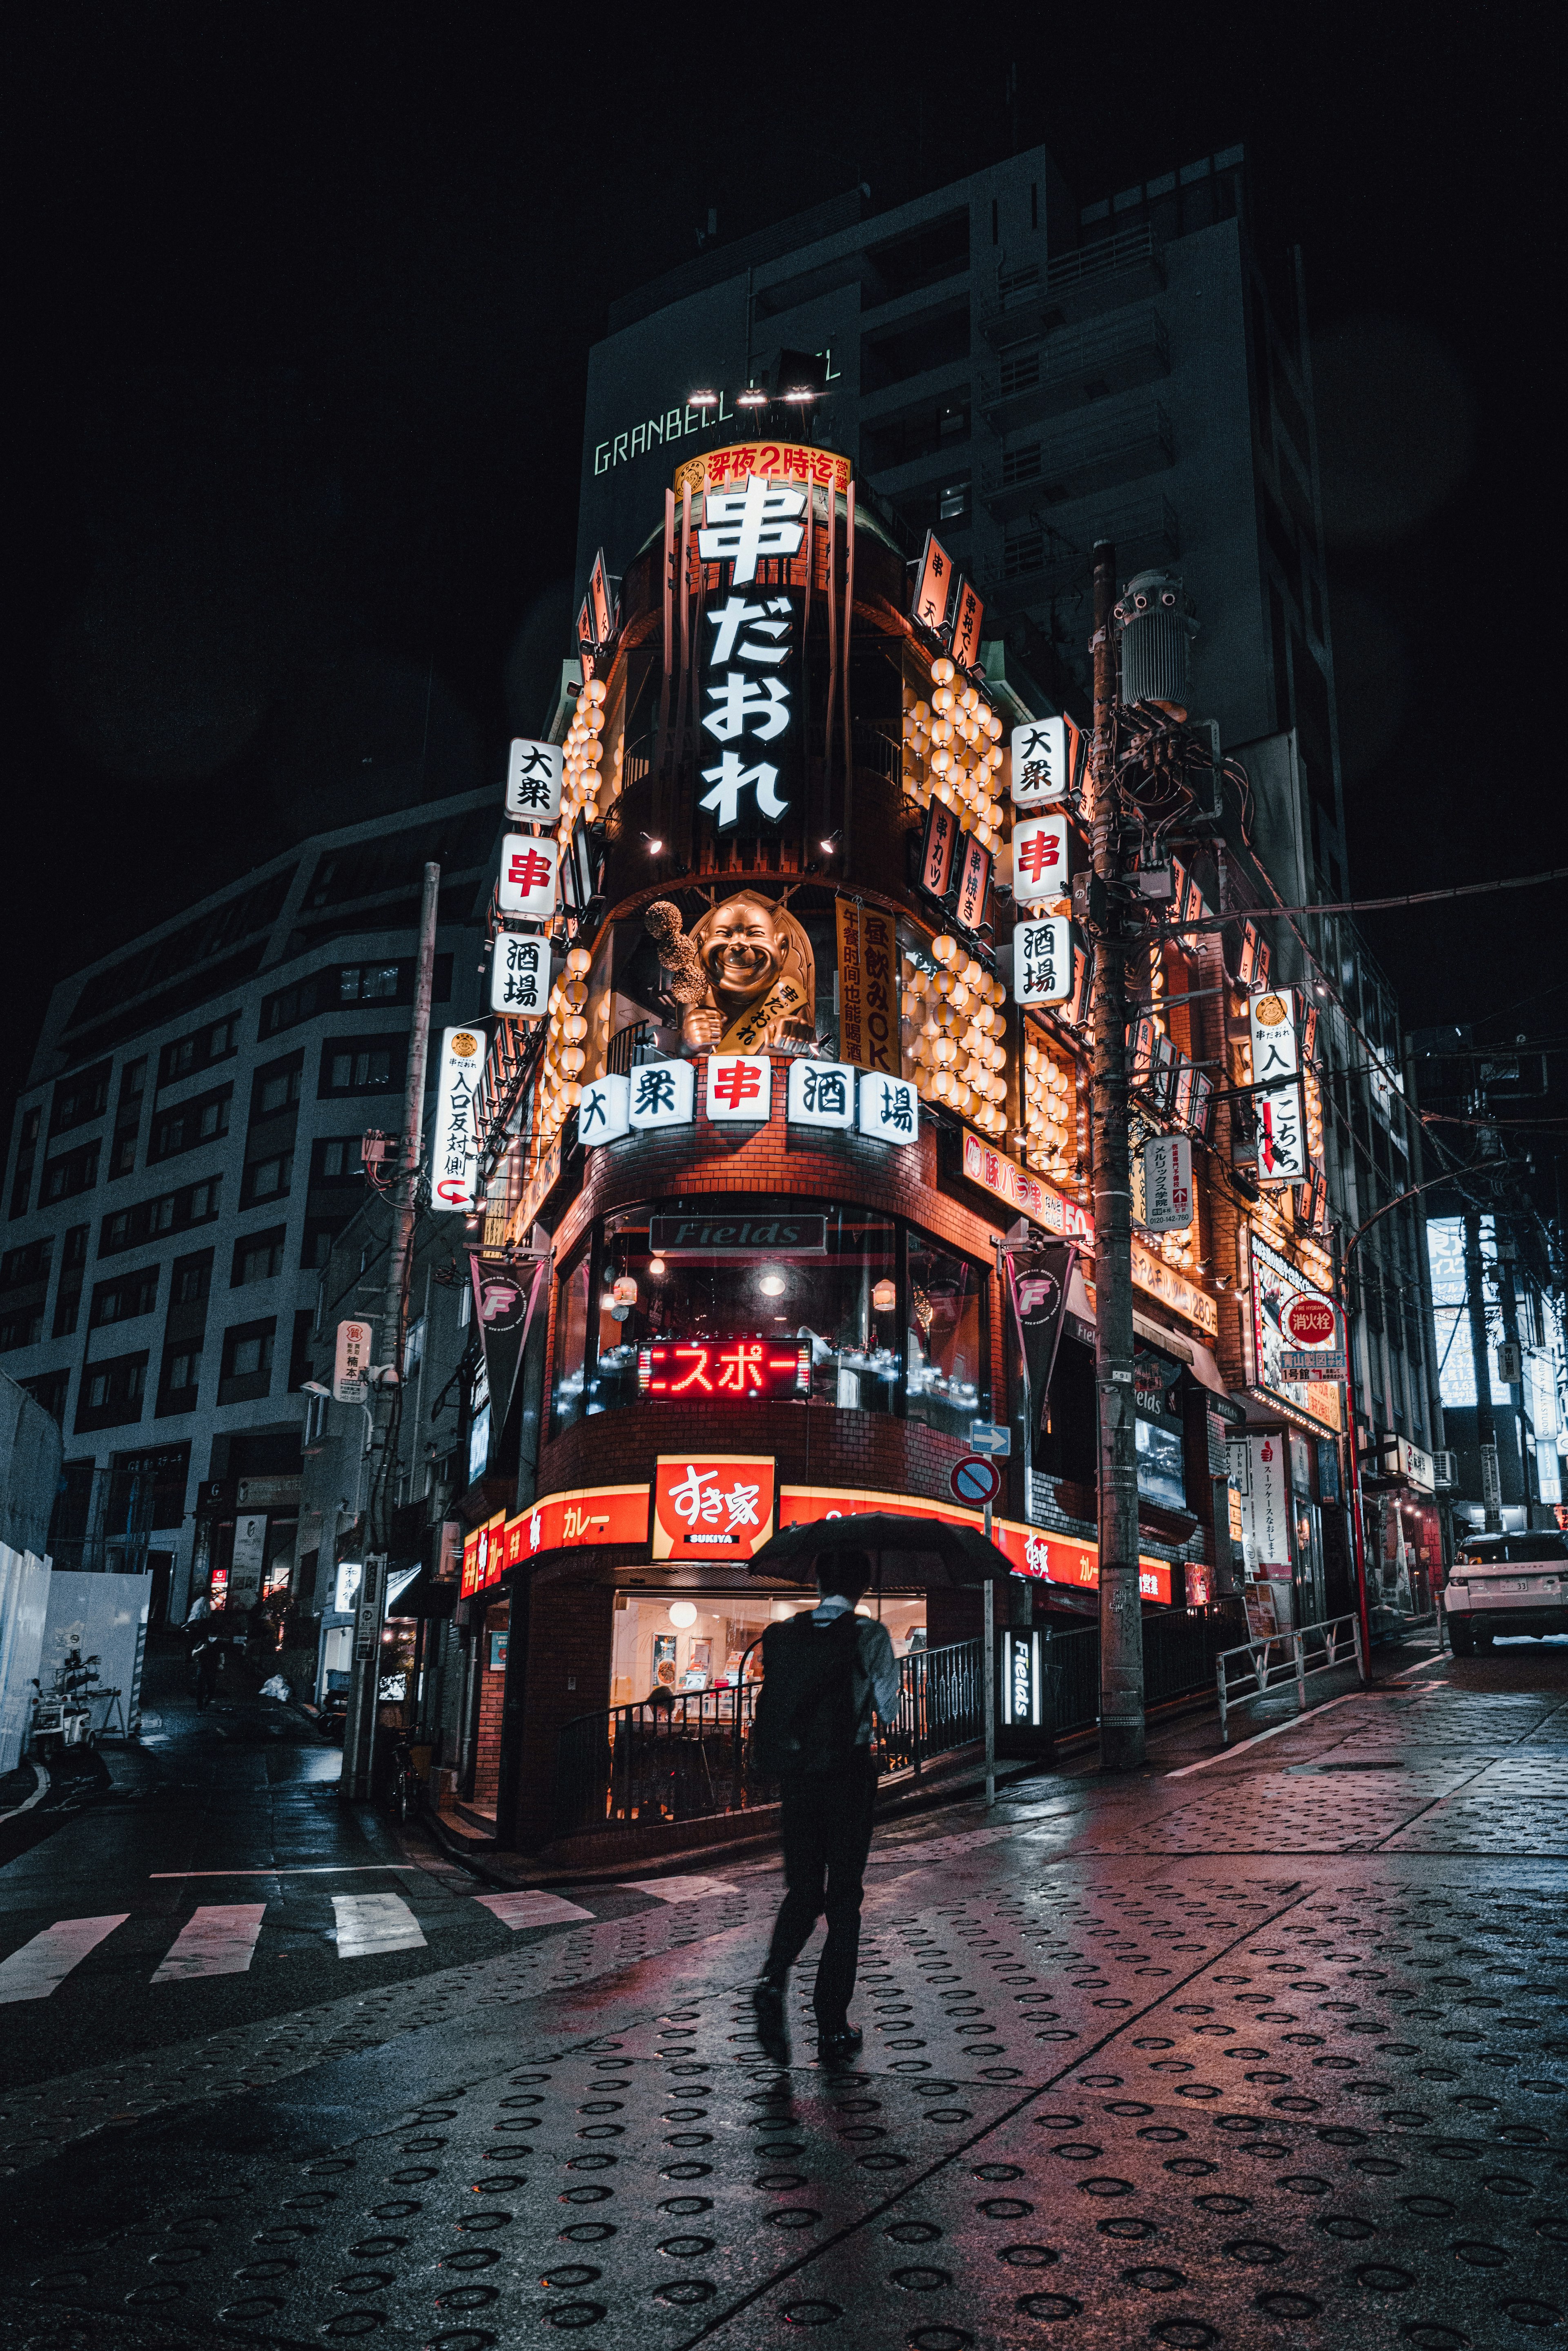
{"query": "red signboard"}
(717, 1506)
(1053, 1558)
(933, 588)
(973, 881)
(484, 1555)
(1309, 1321)
(729, 1367)
(591, 1514)
(967, 621)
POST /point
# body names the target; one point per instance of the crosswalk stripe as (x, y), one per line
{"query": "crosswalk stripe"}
(33, 1972)
(532, 1907)
(677, 1890)
(220, 1940)
(367, 1923)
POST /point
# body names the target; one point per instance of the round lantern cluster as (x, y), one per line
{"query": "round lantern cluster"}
(953, 753)
(959, 1022)
(559, 1085)
(1050, 1111)
(586, 788)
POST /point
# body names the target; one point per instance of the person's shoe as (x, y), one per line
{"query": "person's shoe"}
(841, 2046)
(768, 2000)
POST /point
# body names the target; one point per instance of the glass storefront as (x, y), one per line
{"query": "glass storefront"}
(794, 1299)
(706, 1640)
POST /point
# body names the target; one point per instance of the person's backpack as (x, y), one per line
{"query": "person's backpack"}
(806, 1715)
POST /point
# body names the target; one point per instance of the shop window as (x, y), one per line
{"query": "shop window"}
(681, 1641)
(567, 1401)
(946, 1339)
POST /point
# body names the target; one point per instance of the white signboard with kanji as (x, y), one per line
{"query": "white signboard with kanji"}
(661, 1094)
(1043, 960)
(1167, 1184)
(453, 1161)
(890, 1109)
(533, 780)
(739, 526)
(604, 1109)
(822, 1093)
(528, 876)
(520, 977)
(1042, 761)
(1276, 1056)
(1040, 859)
(740, 1086)
(350, 1362)
(1282, 1136)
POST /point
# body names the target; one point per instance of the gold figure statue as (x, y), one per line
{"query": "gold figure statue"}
(745, 975)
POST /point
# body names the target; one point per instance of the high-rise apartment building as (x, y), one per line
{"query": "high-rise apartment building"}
(184, 1152)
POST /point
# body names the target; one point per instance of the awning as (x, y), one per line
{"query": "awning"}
(1191, 1351)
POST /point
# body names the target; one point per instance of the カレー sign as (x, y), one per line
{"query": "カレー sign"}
(867, 1015)
(453, 1159)
(712, 1506)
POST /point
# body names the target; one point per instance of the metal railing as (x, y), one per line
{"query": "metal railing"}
(1276, 1658)
(688, 1757)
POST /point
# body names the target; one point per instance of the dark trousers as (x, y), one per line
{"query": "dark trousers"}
(827, 1835)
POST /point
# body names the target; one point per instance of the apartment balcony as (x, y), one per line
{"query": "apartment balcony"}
(1092, 453)
(1035, 381)
(1050, 559)
(1106, 276)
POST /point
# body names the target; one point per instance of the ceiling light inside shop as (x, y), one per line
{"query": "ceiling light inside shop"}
(772, 1285)
(683, 1612)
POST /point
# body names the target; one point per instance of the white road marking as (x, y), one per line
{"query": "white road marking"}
(33, 1972)
(531, 1908)
(219, 1940)
(367, 1923)
(677, 1890)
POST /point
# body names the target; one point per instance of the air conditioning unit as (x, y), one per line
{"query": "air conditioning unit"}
(1445, 1472)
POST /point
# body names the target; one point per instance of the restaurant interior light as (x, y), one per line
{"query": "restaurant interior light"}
(772, 1285)
(683, 1612)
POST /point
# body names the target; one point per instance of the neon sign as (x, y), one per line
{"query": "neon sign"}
(725, 1367)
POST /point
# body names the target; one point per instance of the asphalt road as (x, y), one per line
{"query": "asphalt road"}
(1260, 2048)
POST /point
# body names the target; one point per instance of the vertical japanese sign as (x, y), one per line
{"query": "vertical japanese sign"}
(717, 1505)
(936, 851)
(528, 882)
(520, 974)
(868, 1009)
(1040, 859)
(350, 1362)
(1047, 756)
(453, 1160)
(601, 611)
(750, 688)
(933, 588)
(533, 780)
(1043, 961)
(1271, 1017)
(1167, 1184)
(504, 1300)
(1282, 1136)
(966, 646)
(974, 884)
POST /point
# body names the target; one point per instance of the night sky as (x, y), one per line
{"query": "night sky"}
(305, 302)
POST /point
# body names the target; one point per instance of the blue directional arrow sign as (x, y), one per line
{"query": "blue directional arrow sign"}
(986, 1437)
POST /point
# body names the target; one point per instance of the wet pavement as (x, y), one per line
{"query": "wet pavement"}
(1264, 2048)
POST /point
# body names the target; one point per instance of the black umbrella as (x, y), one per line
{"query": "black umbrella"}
(903, 1550)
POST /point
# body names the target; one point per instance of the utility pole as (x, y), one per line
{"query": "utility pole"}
(1485, 1426)
(360, 1727)
(1121, 1605)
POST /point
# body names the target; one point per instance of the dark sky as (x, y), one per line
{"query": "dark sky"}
(304, 307)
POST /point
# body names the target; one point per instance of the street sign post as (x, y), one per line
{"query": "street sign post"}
(976, 1480)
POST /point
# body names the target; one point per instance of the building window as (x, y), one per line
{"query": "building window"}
(276, 1088)
(23, 1327)
(752, 1300)
(201, 1119)
(258, 1256)
(247, 1368)
(183, 1373)
(268, 1179)
(369, 983)
(29, 1263)
(50, 1389)
(171, 1212)
(79, 1098)
(214, 1042)
(111, 1392)
(73, 1171)
(122, 1299)
(193, 1279)
(363, 1065)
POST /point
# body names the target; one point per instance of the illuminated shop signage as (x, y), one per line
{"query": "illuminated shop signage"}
(1024, 1193)
(1172, 1289)
(1044, 969)
(527, 883)
(716, 1506)
(750, 676)
(519, 975)
(822, 1093)
(738, 1089)
(772, 461)
(533, 780)
(933, 587)
(741, 1236)
(1040, 859)
(868, 1005)
(1278, 1292)
(968, 620)
(453, 1161)
(725, 1367)
(1048, 758)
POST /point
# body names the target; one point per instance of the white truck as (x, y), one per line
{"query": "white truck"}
(1509, 1584)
